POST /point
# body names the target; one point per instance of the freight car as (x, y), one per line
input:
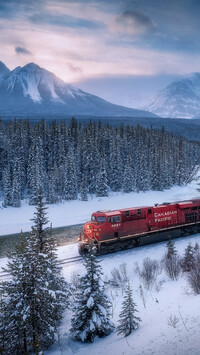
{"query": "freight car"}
(130, 227)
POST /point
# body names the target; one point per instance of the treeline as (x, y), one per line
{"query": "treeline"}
(71, 161)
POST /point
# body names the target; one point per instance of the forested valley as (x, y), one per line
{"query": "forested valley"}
(70, 161)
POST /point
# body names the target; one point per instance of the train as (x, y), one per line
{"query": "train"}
(113, 230)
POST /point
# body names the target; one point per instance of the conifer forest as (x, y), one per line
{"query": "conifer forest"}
(70, 161)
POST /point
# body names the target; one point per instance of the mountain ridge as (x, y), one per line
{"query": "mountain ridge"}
(3, 69)
(180, 99)
(32, 90)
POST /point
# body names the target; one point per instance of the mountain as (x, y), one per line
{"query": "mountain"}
(180, 99)
(3, 69)
(34, 91)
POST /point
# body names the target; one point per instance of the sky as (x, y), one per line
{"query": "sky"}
(123, 51)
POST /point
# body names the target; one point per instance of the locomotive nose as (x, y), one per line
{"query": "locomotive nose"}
(88, 231)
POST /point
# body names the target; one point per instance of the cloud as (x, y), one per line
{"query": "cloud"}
(64, 21)
(22, 50)
(74, 68)
(134, 22)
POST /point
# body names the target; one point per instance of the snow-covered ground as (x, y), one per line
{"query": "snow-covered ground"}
(155, 335)
(13, 220)
(172, 298)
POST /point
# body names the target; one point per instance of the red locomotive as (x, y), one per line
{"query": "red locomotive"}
(129, 227)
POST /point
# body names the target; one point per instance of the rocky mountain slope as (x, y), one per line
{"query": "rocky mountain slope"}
(31, 91)
(180, 99)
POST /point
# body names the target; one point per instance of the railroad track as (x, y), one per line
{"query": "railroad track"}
(66, 261)
(71, 260)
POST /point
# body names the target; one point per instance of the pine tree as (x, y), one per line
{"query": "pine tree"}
(70, 182)
(196, 247)
(40, 220)
(91, 308)
(16, 187)
(36, 296)
(171, 249)
(2, 324)
(7, 186)
(128, 176)
(83, 190)
(102, 183)
(188, 260)
(128, 321)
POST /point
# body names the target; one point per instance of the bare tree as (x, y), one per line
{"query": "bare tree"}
(172, 266)
(119, 277)
(149, 272)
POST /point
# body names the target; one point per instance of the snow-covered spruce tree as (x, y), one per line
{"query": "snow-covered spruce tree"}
(70, 181)
(92, 307)
(40, 220)
(188, 261)
(102, 183)
(7, 186)
(128, 321)
(83, 190)
(35, 298)
(171, 248)
(128, 176)
(2, 323)
(196, 248)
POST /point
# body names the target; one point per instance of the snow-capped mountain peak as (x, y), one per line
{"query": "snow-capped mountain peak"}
(32, 90)
(180, 99)
(33, 80)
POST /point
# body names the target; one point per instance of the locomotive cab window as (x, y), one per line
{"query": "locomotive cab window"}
(149, 211)
(127, 213)
(93, 218)
(139, 211)
(115, 219)
(101, 219)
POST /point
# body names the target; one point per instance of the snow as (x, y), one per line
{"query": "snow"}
(155, 335)
(172, 298)
(13, 220)
(180, 99)
(90, 302)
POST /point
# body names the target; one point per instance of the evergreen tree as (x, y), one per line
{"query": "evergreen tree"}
(188, 260)
(55, 157)
(102, 185)
(16, 188)
(196, 247)
(128, 321)
(171, 248)
(83, 191)
(91, 308)
(70, 183)
(40, 220)
(2, 324)
(7, 186)
(128, 176)
(36, 296)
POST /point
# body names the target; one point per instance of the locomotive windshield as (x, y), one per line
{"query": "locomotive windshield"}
(98, 218)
